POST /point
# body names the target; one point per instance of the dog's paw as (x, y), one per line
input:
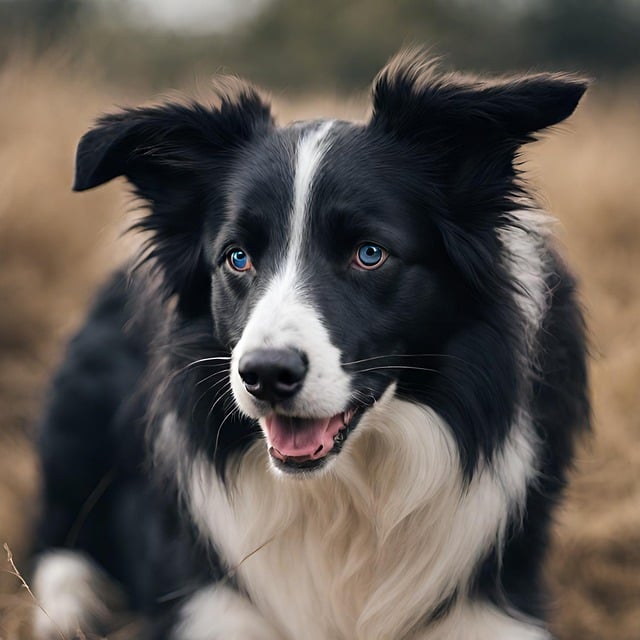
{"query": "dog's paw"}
(74, 596)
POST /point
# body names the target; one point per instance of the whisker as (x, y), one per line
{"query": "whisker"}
(363, 395)
(411, 355)
(217, 383)
(174, 374)
(204, 393)
(224, 391)
(219, 431)
(400, 355)
(216, 373)
(206, 361)
(210, 359)
(397, 367)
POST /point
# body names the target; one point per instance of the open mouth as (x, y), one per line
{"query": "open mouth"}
(297, 444)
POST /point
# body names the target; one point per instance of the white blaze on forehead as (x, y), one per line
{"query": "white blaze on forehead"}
(284, 317)
(311, 150)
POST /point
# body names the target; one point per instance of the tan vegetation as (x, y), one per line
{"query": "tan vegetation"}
(55, 246)
(590, 179)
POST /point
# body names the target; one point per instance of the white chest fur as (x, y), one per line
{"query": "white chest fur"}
(371, 547)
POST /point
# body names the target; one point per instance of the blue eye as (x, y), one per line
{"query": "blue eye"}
(238, 260)
(370, 256)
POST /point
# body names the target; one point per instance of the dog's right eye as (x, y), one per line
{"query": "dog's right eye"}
(370, 256)
(239, 260)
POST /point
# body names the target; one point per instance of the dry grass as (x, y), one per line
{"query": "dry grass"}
(590, 177)
(55, 246)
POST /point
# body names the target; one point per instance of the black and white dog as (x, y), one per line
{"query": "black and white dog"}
(342, 402)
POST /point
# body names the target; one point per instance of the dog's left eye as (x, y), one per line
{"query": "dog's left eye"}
(370, 256)
(239, 260)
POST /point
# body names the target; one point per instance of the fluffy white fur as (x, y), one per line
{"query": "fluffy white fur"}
(73, 593)
(220, 613)
(363, 551)
(367, 549)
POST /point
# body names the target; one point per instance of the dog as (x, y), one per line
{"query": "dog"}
(338, 396)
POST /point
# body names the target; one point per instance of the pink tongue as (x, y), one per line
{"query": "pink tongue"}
(301, 438)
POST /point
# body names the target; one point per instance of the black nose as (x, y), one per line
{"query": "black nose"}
(273, 374)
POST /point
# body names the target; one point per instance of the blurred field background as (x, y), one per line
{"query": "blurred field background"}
(64, 61)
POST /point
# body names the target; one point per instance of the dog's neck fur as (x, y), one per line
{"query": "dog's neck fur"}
(387, 537)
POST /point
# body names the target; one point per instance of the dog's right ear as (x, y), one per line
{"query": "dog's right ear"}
(176, 156)
(169, 137)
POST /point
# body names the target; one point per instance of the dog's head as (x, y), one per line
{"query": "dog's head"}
(336, 259)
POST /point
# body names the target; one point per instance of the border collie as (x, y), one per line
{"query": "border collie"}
(341, 399)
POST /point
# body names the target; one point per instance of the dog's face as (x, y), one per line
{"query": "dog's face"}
(315, 271)
(336, 260)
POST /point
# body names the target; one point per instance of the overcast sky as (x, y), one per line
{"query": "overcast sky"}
(202, 15)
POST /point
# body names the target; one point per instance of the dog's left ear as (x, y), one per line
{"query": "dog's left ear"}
(176, 156)
(465, 134)
(413, 100)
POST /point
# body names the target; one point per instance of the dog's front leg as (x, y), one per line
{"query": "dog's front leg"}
(218, 612)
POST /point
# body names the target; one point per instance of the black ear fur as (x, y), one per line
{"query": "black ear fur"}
(170, 135)
(411, 98)
(466, 133)
(170, 153)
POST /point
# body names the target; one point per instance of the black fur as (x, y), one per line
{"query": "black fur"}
(97, 496)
